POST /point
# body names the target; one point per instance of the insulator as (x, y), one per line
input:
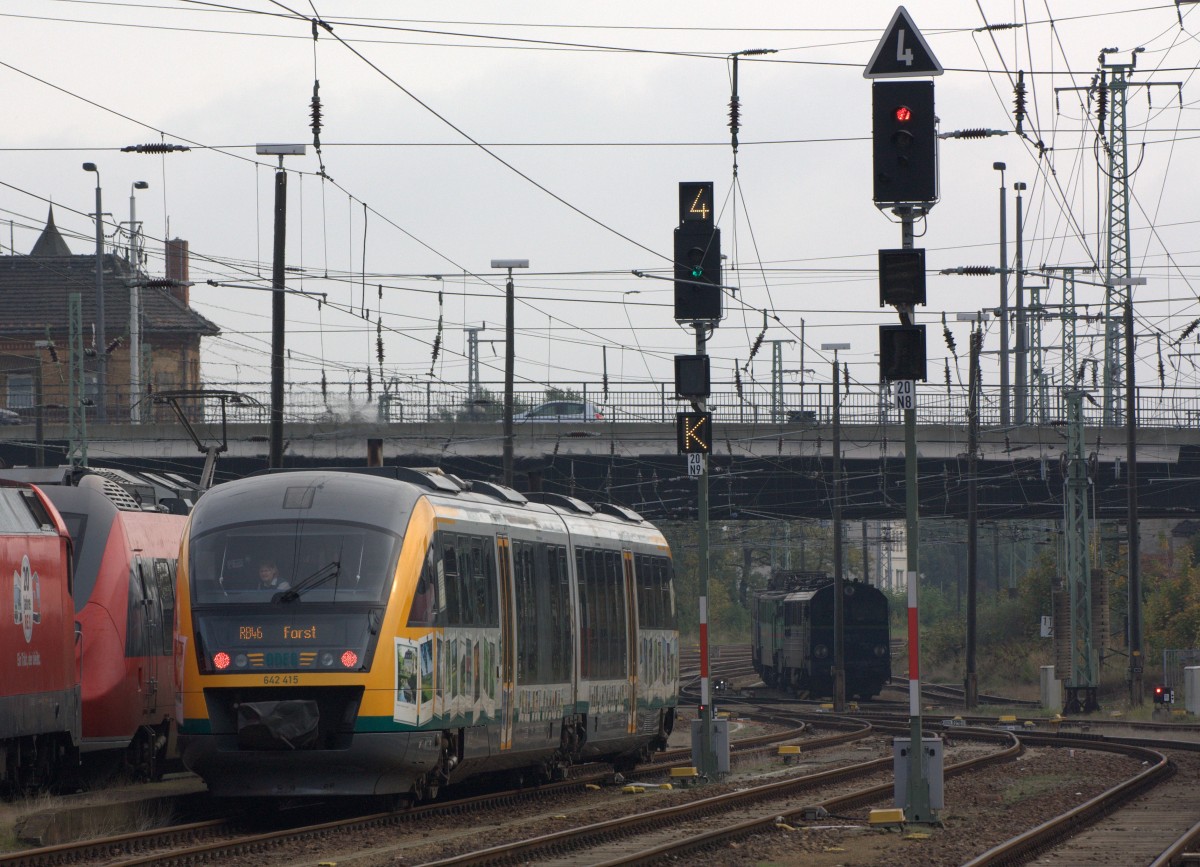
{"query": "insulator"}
(735, 115)
(154, 148)
(977, 270)
(1183, 335)
(53, 352)
(112, 345)
(737, 380)
(1101, 104)
(846, 378)
(370, 388)
(379, 340)
(324, 387)
(947, 376)
(973, 133)
(315, 114)
(1019, 101)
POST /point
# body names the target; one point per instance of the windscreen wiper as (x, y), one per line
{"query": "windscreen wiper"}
(330, 570)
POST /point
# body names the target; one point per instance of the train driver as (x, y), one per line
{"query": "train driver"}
(268, 576)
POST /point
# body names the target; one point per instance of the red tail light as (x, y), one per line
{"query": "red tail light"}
(349, 659)
(221, 660)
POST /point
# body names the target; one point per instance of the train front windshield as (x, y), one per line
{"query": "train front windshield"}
(293, 563)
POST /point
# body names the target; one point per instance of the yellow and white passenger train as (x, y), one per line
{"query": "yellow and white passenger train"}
(393, 630)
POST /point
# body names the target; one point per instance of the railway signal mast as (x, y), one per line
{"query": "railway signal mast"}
(698, 300)
(904, 159)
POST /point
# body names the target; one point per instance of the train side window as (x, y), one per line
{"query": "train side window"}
(486, 563)
(164, 577)
(425, 597)
(453, 585)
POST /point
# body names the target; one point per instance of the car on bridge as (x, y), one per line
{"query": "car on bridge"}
(561, 411)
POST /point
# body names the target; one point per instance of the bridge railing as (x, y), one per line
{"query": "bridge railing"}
(447, 402)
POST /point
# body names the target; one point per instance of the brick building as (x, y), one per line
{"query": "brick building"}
(34, 329)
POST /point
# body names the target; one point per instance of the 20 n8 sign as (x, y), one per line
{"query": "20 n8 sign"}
(693, 433)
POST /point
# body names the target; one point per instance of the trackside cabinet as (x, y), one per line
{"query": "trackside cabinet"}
(932, 763)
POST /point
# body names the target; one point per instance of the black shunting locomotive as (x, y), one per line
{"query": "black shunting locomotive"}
(792, 635)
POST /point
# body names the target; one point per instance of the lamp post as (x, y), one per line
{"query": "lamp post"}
(135, 307)
(839, 616)
(1005, 396)
(509, 359)
(101, 354)
(1022, 338)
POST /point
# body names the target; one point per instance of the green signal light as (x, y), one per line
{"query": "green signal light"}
(697, 272)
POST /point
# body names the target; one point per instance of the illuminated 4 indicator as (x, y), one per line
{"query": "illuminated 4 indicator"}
(696, 202)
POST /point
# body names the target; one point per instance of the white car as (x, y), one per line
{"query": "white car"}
(8, 416)
(561, 411)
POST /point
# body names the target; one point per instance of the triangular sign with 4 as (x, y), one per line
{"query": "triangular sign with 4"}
(902, 52)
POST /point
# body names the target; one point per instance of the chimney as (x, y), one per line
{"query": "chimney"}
(177, 269)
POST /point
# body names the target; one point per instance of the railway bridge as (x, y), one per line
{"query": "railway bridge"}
(758, 470)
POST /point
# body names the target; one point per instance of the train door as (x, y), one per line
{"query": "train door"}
(631, 631)
(145, 638)
(507, 644)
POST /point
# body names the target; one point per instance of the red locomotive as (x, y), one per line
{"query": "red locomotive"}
(39, 695)
(125, 532)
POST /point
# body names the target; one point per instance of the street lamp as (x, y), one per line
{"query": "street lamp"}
(1003, 309)
(509, 359)
(102, 355)
(135, 307)
(839, 616)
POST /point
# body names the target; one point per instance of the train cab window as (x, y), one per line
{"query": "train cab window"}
(319, 562)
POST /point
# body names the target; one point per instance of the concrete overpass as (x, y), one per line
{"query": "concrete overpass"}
(757, 470)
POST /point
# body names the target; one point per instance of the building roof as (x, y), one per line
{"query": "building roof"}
(50, 242)
(34, 292)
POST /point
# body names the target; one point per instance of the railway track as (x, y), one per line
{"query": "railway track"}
(219, 840)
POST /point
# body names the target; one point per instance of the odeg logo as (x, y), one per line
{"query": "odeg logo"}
(27, 598)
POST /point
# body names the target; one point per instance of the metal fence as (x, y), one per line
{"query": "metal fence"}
(434, 402)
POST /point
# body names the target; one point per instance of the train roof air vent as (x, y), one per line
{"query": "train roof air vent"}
(500, 492)
(562, 501)
(619, 512)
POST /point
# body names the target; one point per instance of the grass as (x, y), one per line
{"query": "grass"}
(1032, 786)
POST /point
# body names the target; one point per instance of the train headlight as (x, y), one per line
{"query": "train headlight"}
(881, 650)
(349, 659)
(326, 659)
(221, 660)
(240, 660)
(820, 651)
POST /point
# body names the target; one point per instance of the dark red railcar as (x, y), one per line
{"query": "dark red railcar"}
(39, 692)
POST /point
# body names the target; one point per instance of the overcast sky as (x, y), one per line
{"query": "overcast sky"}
(559, 133)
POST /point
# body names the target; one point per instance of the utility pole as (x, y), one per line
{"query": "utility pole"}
(1022, 340)
(101, 338)
(971, 685)
(839, 586)
(278, 294)
(510, 356)
(473, 367)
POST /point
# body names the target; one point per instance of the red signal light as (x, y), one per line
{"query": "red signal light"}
(221, 660)
(903, 113)
(349, 659)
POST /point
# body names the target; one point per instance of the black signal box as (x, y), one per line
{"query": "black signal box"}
(901, 352)
(904, 137)
(697, 272)
(692, 377)
(902, 277)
